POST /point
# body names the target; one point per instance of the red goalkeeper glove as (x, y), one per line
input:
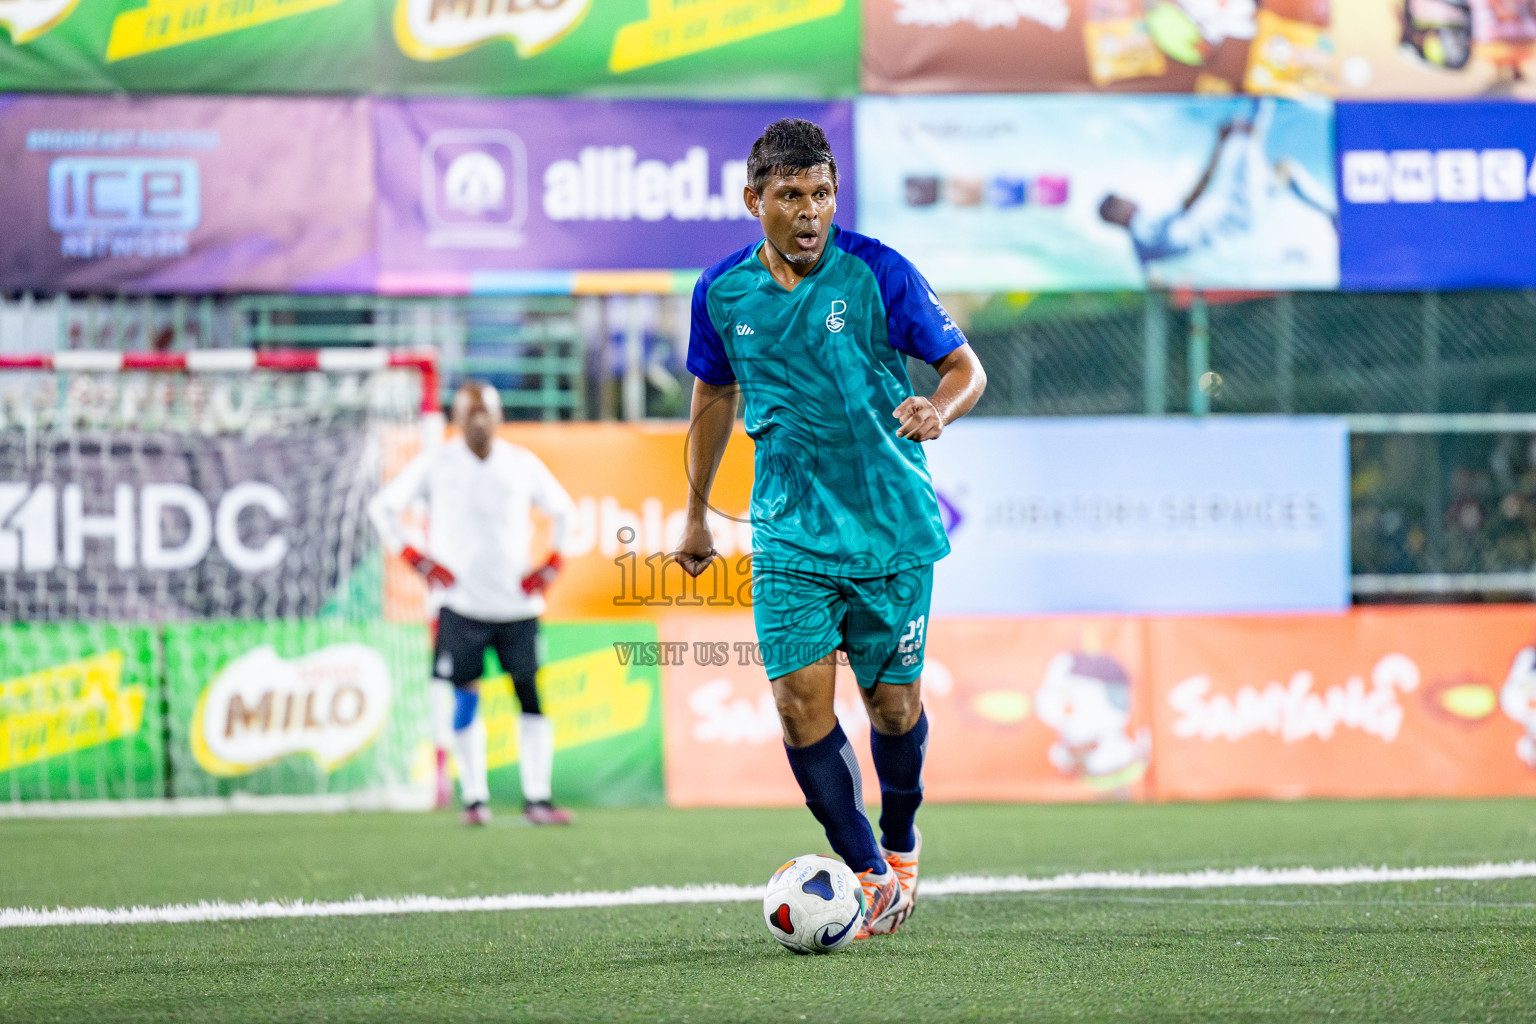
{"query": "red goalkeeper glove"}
(436, 574)
(536, 581)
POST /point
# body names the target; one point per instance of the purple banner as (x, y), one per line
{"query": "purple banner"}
(182, 194)
(482, 195)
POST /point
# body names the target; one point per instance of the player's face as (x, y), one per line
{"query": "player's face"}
(476, 417)
(796, 212)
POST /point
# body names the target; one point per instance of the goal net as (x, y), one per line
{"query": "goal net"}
(192, 601)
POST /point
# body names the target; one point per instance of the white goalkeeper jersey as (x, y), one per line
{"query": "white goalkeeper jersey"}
(478, 526)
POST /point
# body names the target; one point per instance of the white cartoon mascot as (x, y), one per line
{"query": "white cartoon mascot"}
(1518, 700)
(1086, 698)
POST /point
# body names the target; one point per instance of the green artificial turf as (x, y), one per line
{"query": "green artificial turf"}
(1431, 951)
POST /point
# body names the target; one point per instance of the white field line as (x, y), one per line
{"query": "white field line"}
(967, 885)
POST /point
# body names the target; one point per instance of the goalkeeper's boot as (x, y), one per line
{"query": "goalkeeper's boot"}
(477, 813)
(905, 866)
(444, 781)
(542, 812)
(883, 898)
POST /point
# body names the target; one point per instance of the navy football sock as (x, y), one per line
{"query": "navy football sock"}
(828, 774)
(899, 763)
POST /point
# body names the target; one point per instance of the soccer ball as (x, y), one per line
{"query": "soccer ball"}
(814, 904)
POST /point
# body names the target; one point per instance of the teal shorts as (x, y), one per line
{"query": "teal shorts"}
(881, 622)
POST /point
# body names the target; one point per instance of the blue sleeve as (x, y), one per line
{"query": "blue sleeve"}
(917, 322)
(706, 351)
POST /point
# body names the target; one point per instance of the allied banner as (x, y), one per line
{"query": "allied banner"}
(1383, 702)
(178, 194)
(681, 47)
(157, 525)
(1164, 192)
(1043, 710)
(1283, 47)
(80, 713)
(1437, 195)
(492, 195)
(1143, 515)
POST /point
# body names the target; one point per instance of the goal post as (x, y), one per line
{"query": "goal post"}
(192, 600)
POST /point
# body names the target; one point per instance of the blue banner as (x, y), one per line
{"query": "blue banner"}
(1217, 515)
(1436, 195)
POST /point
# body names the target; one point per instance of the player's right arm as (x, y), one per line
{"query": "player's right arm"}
(386, 511)
(713, 414)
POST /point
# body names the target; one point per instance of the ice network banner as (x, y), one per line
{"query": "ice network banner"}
(486, 195)
(185, 194)
(1046, 193)
(1142, 515)
(700, 47)
(1437, 195)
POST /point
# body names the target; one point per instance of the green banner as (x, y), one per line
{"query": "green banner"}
(296, 707)
(707, 48)
(607, 718)
(79, 713)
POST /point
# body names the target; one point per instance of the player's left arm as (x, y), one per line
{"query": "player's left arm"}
(961, 382)
(551, 499)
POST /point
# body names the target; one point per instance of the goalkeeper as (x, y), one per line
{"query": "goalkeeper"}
(483, 588)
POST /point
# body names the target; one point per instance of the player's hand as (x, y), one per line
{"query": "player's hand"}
(536, 581)
(697, 549)
(437, 575)
(920, 421)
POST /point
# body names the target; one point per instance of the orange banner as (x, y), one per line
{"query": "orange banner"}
(1380, 702)
(1043, 709)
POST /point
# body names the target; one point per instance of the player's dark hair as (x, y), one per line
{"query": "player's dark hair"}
(789, 146)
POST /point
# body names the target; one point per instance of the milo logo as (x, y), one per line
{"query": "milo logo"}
(437, 29)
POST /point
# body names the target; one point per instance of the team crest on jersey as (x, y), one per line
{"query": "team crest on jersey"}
(835, 318)
(743, 329)
(444, 665)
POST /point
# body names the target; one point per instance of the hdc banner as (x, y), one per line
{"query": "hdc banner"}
(1056, 193)
(178, 194)
(1143, 515)
(702, 47)
(490, 195)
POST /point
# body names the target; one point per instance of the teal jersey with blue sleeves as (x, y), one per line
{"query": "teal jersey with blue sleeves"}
(821, 369)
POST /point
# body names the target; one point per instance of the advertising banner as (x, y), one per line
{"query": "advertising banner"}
(478, 196)
(603, 690)
(1041, 709)
(1143, 515)
(629, 515)
(1380, 703)
(1284, 47)
(80, 714)
(296, 707)
(178, 194)
(678, 47)
(1056, 193)
(1437, 195)
(150, 526)
(1396, 49)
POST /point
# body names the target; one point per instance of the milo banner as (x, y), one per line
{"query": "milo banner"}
(80, 713)
(485, 196)
(180, 194)
(296, 707)
(699, 47)
(153, 526)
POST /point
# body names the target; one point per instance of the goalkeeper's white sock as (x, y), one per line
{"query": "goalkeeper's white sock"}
(470, 741)
(536, 751)
(440, 712)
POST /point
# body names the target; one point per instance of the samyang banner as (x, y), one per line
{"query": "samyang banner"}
(1437, 195)
(1061, 193)
(671, 47)
(154, 526)
(182, 194)
(493, 195)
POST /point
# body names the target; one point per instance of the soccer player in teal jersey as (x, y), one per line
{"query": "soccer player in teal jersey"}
(812, 326)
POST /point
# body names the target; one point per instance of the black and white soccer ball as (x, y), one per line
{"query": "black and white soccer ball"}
(814, 904)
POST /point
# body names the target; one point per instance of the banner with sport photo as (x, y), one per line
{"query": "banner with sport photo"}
(495, 195)
(668, 47)
(1058, 193)
(185, 194)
